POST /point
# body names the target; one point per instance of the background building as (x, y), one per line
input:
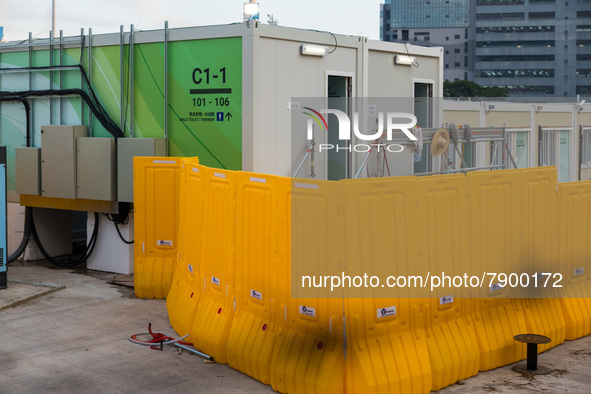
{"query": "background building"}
(529, 47)
(534, 47)
(443, 23)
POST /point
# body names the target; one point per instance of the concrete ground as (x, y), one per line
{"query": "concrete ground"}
(66, 330)
(74, 340)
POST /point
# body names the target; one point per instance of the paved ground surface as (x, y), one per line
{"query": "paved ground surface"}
(73, 339)
(570, 372)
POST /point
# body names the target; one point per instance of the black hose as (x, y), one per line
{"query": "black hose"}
(26, 236)
(68, 264)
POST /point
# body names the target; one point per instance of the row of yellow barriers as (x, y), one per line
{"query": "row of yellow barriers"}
(217, 244)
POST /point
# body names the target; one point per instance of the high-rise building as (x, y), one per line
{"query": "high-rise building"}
(443, 23)
(534, 47)
(529, 47)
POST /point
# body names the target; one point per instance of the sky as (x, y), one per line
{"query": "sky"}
(19, 17)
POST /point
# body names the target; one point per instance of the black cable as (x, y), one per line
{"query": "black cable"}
(336, 43)
(413, 61)
(121, 236)
(26, 236)
(122, 217)
(40, 68)
(89, 97)
(92, 101)
(27, 115)
(105, 120)
(68, 264)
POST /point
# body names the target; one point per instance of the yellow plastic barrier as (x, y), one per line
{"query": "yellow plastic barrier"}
(574, 202)
(308, 356)
(185, 292)
(444, 245)
(156, 184)
(495, 240)
(215, 312)
(247, 239)
(544, 316)
(386, 339)
(539, 219)
(540, 246)
(577, 316)
(174, 298)
(386, 346)
(252, 337)
(496, 322)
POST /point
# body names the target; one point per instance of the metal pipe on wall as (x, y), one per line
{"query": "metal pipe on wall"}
(121, 78)
(90, 77)
(131, 30)
(166, 85)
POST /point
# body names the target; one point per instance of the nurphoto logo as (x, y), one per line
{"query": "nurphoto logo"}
(391, 119)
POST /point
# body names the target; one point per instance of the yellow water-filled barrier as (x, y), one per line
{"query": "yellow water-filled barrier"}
(386, 346)
(442, 204)
(496, 322)
(574, 205)
(540, 247)
(215, 311)
(156, 189)
(251, 251)
(451, 340)
(308, 356)
(544, 316)
(386, 339)
(258, 275)
(185, 292)
(495, 246)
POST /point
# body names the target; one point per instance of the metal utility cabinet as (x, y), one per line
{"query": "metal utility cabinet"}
(58, 160)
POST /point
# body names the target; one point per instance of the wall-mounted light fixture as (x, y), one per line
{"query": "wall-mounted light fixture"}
(251, 11)
(313, 50)
(404, 60)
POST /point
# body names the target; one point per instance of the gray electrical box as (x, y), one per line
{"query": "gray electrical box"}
(127, 149)
(58, 160)
(95, 171)
(28, 171)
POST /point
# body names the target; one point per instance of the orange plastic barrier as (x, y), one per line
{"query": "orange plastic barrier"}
(156, 186)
